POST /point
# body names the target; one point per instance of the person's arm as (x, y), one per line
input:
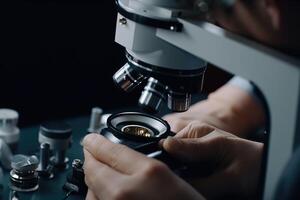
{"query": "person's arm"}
(232, 108)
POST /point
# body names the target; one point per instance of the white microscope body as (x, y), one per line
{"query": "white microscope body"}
(168, 45)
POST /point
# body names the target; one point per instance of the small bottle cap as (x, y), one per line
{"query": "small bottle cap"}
(8, 114)
(24, 163)
(9, 131)
(56, 130)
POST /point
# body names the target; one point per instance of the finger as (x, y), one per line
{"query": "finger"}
(195, 130)
(100, 178)
(90, 196)
(176, 123)
(204, 149)
(118, 157)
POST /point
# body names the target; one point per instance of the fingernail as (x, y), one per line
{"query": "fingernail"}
(169, 138)
(161, 142)
(89, 139)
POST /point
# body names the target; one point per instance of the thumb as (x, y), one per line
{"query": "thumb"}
(193, 149)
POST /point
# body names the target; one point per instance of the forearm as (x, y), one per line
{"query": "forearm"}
(232, 109)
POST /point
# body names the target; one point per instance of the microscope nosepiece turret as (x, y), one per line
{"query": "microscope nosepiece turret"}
(169, 74)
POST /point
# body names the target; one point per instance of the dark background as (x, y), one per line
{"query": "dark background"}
(57, 59)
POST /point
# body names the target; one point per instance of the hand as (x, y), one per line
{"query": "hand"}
(258, 19)
(114, 171)
(227, 109)
(237, 161)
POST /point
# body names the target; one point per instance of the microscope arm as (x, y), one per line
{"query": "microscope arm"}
(276, 75)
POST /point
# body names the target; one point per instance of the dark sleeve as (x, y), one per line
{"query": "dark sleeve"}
(289, 185)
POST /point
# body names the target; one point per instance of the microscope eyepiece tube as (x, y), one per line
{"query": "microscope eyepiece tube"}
(153, 95)
(128, 78)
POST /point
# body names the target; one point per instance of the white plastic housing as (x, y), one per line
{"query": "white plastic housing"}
(141, 42)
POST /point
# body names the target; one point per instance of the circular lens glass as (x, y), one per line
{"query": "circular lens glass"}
(138, 130)
(137, 126)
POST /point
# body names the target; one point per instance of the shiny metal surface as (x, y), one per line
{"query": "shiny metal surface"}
(128, 78)
(179, 102)
(153, 95)
(137, 130)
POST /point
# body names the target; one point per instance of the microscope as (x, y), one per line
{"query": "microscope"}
(171, 74)
(168, 45)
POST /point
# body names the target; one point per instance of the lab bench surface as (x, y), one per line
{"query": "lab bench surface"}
(49, 188)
